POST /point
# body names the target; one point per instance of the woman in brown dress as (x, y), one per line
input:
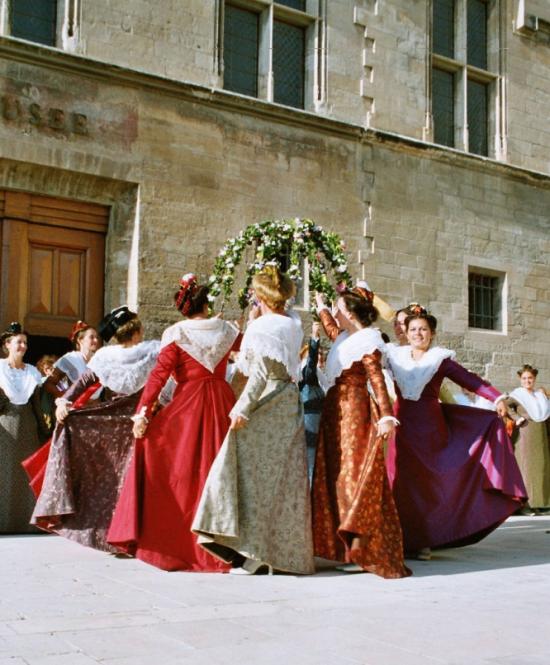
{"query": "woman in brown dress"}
(21, 428)
(92, 445)
(531, 437)
(354, 516)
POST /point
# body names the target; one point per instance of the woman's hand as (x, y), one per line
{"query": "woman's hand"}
(140, 427)
(238, 422)
(385, 428)
(315, 330)
(62, 411)
(502, 410)
(319, 300)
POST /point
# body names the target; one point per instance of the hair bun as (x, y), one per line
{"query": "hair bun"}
(274, 274)
(188, 287)
(79, 326)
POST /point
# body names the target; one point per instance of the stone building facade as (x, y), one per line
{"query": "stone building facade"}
(127, 125)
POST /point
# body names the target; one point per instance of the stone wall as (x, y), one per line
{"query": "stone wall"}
(183, 170)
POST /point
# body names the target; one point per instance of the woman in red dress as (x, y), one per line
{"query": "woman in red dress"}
(452, 468)
(354, 516)
(176, 447)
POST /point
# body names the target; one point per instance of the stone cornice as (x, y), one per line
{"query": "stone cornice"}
(37, 55)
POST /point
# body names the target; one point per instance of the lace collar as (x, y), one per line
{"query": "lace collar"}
(206, 340)
(348, 349)
(18, 384)
(535, 403)
(72, 364)
(412, 376)
(274, 336)
(125, 370)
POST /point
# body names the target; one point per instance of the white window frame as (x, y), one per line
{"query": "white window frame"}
(463, 72)
(269, 11)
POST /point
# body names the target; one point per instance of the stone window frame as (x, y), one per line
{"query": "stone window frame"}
(69, 14)
(313, 20)
(502, 295)
(493, 77)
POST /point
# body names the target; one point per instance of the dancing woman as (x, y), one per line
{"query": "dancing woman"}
(21, 429)
(354, 515)
(452, 468)
(92, 445)
(532, 436)
(255, 507)
(176, 447)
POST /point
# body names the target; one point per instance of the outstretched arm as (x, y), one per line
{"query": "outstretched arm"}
(475, 384)
(329, 324)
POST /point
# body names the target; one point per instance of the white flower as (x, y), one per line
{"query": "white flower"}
(229, 264)
(187, 277)
(211, 298)
(342, 268)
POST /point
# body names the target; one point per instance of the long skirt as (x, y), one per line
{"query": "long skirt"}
(533, 456)
(18, 440)
(256, 498)
(87, 463)
(355, 519)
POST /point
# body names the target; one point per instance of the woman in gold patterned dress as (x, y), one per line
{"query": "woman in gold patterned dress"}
(354, 515)
(255, 509)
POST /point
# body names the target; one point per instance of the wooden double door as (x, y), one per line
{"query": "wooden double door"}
(52, 266)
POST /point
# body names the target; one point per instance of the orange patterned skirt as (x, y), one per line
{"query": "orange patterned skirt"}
(354, 515)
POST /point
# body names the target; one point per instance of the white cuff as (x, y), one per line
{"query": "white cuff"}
(500, 398)
(385, 419)
(236, 414)
(140, 415)
(320, 309)
(61, 401)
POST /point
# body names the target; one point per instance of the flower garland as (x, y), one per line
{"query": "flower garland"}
(276, 241)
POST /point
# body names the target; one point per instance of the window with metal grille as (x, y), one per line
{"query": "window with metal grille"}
(477, 33)
(240, 50)
(477, 117)
(484, 301)
(444, 27)
(34, 20)
(295, 4)
(443, 107)
(288, 64)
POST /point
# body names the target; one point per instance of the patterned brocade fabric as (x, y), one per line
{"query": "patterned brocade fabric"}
(354, 514)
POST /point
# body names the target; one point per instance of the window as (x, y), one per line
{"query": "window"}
(34, 20)
(465, 74)
(265, 50)
(485, 300)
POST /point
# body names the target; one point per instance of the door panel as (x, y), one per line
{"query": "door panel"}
(52, 269)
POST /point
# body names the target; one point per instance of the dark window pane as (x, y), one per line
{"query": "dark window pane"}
(483, 301)
(444, 27)
(288, 64)
(240, 51)
(477, 117)
(443, 107)
(477, 33)
(34, 20)
(295, 4)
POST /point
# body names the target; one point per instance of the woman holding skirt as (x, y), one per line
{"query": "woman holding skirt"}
(255, 508)
(176, 446)
(452, 468)
(92, 445)
(354, 516)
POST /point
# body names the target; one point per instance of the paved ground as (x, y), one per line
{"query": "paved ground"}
(62, 604)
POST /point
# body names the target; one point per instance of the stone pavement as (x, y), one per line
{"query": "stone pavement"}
(63, 604)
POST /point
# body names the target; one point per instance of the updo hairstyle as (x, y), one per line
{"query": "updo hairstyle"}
(419, 312)
(12, 330)
(359, 304)
(191, 297)
(127, 330)
(528, 368)
(273, 287)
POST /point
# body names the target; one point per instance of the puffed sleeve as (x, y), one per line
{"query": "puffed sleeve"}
(253, 389)
(165, 365)
(329, 324)
(372, 362)
(472, 382)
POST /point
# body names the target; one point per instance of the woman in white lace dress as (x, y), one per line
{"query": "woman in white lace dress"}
(255, 507)
(92, 445)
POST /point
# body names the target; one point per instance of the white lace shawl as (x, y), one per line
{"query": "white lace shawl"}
(535, 403)
(348, 349)
(412, 376)
(72, 364)
(206, 340)
(125, 370)
(274, 336)
(18, 384)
